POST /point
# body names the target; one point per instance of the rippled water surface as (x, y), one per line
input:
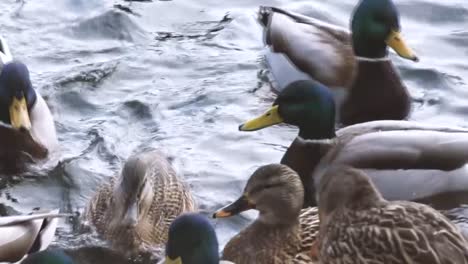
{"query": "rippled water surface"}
(182, 75)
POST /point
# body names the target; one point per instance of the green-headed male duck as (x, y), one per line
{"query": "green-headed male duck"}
(80, 255)
(26, 124)
(356, 65)
(192, 240)
(283, 231)
(135, 209)
(357, 225)
(405, 160)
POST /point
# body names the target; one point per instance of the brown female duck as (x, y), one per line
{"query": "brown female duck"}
(356, 64)
(357, 225)
(282, 233)
(405, 160)
(135, 209)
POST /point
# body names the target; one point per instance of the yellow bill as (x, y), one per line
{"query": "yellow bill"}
(396, 42)
(172, 261)
(271, 117)
(19, 116)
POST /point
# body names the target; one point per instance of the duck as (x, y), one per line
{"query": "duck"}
(192, 239)
(357, 225)
(355, 65)
(26, 123)
(26, 234)
(134, 210)
(406, 160)
(49, 256)
(283, 232)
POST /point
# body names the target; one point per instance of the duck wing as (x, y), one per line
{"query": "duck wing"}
(427, 166)
(317, 49)
(26, 234)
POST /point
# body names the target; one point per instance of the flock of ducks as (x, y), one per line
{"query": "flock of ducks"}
(358, 184)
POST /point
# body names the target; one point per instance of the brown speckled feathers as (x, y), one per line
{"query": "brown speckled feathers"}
(391, 234)
(289, 245)
(359, 226)
(167, 198)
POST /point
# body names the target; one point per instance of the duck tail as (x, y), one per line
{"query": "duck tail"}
(264, 14)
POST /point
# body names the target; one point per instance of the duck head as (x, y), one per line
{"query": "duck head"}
(17, 96)
(274, 190)
(345, 187)
(308, 105)
(48, 257)
(131, 198)
(191, 240)
(375, 25)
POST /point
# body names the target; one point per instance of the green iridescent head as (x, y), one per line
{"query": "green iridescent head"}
(192, 240)
(375, 25)
(308, 105)
(48, 257)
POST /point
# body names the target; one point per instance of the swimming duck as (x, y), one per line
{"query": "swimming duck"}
(357, 225)
(25, 113)
(26, 234)
(192, 240)
(283, 231)
(356, 66)
(49, 257)
(406, 160)
(134, 210)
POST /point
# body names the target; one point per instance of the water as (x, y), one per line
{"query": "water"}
(181, 76)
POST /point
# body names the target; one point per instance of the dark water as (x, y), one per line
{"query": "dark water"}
(181, 75)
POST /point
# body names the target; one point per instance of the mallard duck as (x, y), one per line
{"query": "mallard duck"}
(357, 225)
(355, 65)
(134, 210)
(192, 240)
(24, 111)
(49, 257)
(26, 234)
(406, 160)
(282, 233)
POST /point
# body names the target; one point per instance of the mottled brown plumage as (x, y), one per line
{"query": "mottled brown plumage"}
(148, 181)
(283, 233)
(358, 226)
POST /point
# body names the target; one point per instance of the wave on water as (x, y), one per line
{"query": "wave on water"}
(112, 24)
(93, 74)
(214, 27)
(434, 12)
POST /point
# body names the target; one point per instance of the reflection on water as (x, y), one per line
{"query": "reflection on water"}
(181, 76)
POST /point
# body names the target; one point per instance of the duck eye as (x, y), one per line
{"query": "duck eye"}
(264, 187)
(271, 185)
(142, 187)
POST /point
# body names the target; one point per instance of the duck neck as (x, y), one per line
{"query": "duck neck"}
(304, 158)
(317, 132)
(284, 232)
